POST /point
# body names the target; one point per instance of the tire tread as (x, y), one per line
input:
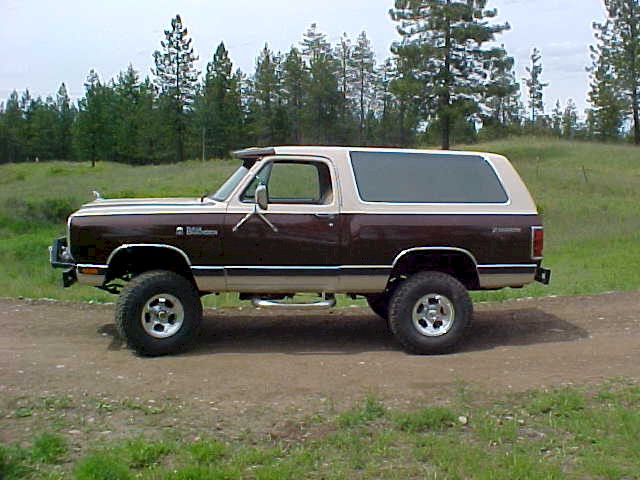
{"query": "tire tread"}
(128, 298)
(401, 298)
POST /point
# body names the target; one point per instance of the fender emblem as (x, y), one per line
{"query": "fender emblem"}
(196, 231)
(506, 230)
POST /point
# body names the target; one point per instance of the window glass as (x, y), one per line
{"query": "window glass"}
(227, 187)
(425, 178)
(260, 179)
(293, 182)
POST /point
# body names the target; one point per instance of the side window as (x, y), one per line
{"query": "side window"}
(293, 182)
(426, 178)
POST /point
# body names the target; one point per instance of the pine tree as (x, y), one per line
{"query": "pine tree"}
(42, 120)
(570, 120)
(343, 54)
(387, 74)
(149, 123)
(445, 40)
(270, 117)
(556, 119)
(536, 86)
(127, 89)
(323, 96)
(14, 126)
(502, 94)
(295, 79)
(176, 78)
(137, 131)
(65, 113)
(619, 46)
(364, 79)
(220, 108)
(605, 117)
(94, 132)
(406, 90)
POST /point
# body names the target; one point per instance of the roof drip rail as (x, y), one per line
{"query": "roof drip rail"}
(254, 153)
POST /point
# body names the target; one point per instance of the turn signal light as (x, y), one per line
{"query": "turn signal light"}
(88, 270)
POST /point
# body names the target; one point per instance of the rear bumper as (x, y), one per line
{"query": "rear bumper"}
(543, 275)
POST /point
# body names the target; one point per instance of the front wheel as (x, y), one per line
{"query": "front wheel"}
(429, 313)
(158, 312)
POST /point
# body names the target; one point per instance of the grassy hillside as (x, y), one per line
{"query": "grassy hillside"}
(589, 195)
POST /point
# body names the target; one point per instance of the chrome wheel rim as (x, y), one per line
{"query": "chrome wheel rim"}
(433, 315)
(162, 316)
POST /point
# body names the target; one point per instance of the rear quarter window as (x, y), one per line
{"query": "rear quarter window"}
(425, 178)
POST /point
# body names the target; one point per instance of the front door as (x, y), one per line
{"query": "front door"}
(293, 245)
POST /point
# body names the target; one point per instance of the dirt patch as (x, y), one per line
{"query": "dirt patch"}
(249, 364)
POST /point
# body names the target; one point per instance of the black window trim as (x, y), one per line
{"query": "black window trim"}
(476, 154)
(295, 159)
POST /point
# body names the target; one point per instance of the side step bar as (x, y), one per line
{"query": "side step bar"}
(328, 301)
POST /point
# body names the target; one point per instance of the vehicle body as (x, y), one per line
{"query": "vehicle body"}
(327, 220)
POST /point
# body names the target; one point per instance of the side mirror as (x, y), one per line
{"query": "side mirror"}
(261, 197)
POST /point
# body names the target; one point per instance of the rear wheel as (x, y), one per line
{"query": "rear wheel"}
(158, 312)
(429, 313)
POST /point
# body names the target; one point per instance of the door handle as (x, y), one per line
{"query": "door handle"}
(326, 216)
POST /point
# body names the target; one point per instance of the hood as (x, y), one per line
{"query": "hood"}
(124, 206)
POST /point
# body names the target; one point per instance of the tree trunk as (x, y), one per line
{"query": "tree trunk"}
(636, 120)
(445, 125)
(445, 98)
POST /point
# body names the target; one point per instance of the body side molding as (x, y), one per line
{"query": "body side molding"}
(427, 249)
(148, 245)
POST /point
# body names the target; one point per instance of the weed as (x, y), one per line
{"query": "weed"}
(48, 448)
(207, 451)
(142, 453)
(101, 466)
(201, 472)
(13, 464)
(426, 419)
(57, 402)
(23, 412)
(561, 403)
(370, 409)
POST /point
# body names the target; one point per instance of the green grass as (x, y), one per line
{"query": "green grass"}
(568, 432)
(587, 192)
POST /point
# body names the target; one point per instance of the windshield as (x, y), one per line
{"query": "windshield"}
(232, 182)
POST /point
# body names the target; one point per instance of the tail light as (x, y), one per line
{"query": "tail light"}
(537, 242)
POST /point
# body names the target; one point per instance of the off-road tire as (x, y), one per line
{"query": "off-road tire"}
(131, 303)
(379, 303)
(405, 299)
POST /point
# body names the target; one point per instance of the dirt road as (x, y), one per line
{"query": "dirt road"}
(247, 359)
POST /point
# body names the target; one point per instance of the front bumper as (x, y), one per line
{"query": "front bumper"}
(543, 275)
(59, 257)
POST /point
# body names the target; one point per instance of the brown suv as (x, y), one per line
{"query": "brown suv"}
(410, 230)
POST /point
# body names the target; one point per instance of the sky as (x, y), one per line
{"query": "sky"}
(49, 42)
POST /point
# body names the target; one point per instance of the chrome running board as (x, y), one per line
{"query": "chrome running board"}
(328, 301)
